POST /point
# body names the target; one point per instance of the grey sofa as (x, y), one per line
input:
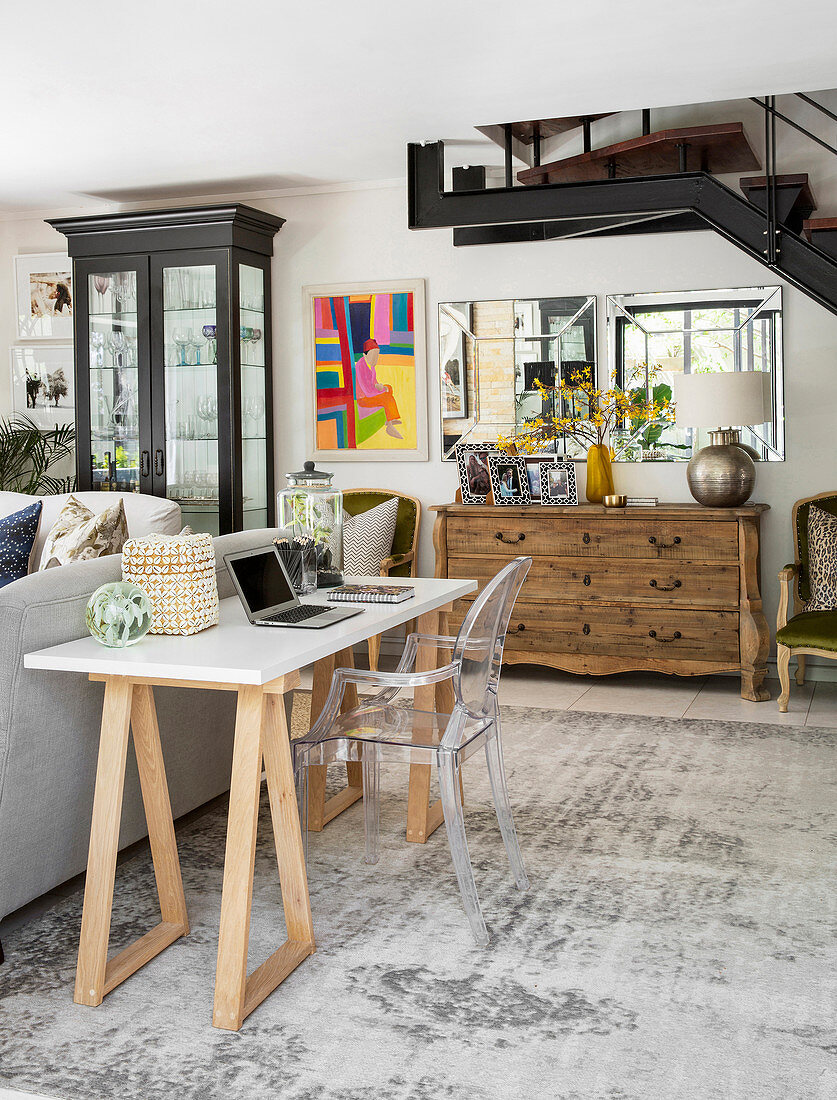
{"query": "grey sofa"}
(49, 731)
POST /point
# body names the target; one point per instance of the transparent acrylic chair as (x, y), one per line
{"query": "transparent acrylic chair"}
(380, 731)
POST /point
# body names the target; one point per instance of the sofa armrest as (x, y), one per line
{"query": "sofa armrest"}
(786, 578)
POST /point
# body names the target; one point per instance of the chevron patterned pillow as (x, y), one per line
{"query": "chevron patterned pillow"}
(367, 538)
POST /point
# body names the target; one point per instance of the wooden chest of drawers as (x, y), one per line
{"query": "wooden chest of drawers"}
(673, 588)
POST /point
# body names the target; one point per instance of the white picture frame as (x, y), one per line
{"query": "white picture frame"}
(509, 481)
(44, 296)
(43, 386)
(411, 420)
(558, 483)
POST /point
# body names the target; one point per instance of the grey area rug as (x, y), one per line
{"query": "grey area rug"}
(677, 941)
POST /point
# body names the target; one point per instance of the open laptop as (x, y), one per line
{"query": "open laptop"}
(267, 594)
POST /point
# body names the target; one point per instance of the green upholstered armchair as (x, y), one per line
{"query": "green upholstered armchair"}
(807, 632)
(403, 558)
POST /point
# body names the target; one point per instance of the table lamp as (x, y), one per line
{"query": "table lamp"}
(721, 475)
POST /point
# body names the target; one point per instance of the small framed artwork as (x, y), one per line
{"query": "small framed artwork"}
(366, 366)
(42, 384)
(474, 472)
(44, 291)
(533, 473)
(509, 481)
(558, 485)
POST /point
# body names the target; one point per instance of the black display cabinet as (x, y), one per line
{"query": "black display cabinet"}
(173, 359)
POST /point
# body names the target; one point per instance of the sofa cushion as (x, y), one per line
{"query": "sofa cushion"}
(79, 534)
(145, 514)
(367, 538)
(17, 538)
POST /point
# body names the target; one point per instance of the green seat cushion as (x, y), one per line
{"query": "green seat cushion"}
(812, 629)
(405, 523)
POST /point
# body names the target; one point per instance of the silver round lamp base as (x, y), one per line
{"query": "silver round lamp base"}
(721, 475)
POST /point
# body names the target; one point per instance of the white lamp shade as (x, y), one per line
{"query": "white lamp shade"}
(726, 399)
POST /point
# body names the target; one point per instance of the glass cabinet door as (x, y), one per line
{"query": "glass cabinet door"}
(254, 412)
(114, 350)
(186, 465)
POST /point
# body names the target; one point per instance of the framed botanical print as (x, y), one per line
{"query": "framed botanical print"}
(474, 472)
(44, 292)
(366, 361)
(558, 484)
(509, 481)
(42, 383)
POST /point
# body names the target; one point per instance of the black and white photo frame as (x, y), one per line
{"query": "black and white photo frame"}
(474, 472)
(509, 481)
(558, 484)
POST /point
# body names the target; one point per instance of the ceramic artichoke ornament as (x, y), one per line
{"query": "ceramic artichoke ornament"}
(118, 614)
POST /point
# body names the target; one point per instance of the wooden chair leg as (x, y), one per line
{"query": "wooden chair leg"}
(800, 669)
(783, 656)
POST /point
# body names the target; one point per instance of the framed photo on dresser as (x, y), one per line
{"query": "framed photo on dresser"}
(474, 473)
(509, 481)
(558, 484)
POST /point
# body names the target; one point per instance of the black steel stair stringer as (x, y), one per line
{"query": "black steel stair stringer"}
(740, 222)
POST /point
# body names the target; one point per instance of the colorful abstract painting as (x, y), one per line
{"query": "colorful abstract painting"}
(367, 370)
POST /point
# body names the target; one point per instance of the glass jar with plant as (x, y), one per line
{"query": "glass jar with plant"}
(312, 508)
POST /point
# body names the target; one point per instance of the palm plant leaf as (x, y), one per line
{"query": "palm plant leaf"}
(28, 452)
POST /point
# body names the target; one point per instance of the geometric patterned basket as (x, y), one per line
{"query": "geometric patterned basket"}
(177, 573)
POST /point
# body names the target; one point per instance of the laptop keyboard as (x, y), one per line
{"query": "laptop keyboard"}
(296, 614)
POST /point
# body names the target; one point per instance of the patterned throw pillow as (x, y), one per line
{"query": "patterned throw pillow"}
(17, 537)
(79, 534)
(367, 538)
(822, 560)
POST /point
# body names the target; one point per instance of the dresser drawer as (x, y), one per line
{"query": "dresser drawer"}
(548, 535)
(678, 583)
(658, 633)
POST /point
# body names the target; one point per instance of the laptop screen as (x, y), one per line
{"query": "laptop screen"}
(262, 581)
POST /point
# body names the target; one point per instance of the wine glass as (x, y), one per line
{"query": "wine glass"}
(207, 407)
(101, 284)
(117, 345)
(254, 409)
(209, 332)
(182, 341)
(97, 348)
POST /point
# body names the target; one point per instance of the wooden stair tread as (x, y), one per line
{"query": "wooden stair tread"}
(719, 148)
(524, 132)
(794, 198)
(820, 223)
(798, 179)
(822, 232)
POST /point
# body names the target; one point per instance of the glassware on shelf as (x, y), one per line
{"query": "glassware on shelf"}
(182, 341)
(97, 348)
(117, 345)
(313, 508)
(210, 332)
(254, 409)
(101, 284)
(207, 407)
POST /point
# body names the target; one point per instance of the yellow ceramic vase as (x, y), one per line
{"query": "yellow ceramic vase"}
(599, 473)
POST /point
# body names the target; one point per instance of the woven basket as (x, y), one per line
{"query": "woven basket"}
(177, 572)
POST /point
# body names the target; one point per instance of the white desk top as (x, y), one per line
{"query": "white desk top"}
(234, 652)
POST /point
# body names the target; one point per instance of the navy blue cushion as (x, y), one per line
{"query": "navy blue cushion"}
(17, 536)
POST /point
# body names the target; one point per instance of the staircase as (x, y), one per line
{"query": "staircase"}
(658, 182)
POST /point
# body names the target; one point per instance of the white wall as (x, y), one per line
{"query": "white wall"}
(360, 235)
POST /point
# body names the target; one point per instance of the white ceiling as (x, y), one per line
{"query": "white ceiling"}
(124, 102)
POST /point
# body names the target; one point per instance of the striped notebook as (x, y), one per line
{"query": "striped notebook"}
(371, 593)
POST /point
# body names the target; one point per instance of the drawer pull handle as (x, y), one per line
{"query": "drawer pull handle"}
(665, 545)
(662, 638)
(518, 629)
(585, 629)
(665, 587)
(587, 580)
(585, 538)
(510, 542)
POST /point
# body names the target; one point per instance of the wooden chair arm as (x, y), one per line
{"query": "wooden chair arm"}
(388, 564)
(786, 576)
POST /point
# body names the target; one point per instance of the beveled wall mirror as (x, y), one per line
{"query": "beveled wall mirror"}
(491, 353)
(652, 338)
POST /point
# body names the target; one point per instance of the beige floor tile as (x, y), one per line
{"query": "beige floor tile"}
(640, 693)
(549, 689)
(720, 698)
(823, 709)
